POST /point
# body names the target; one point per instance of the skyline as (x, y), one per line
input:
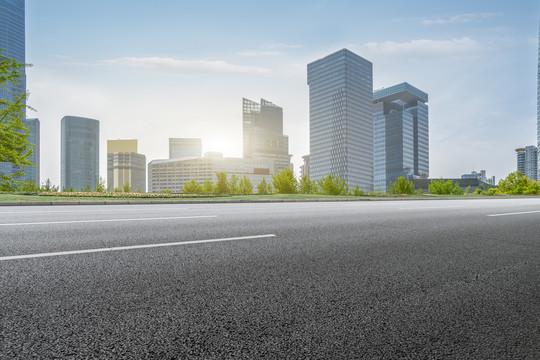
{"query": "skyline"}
(148, 74)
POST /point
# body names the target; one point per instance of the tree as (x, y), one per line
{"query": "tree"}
(48, 186)
(357, 191)
(233, 184)
(101, 186)
(517, 183)
(222, 186)
(208, 187)
(441, 187)
(192, 187)
(126, 187)
(332, 185)
(263, 188)
(14, 145)
(284, 182)
(306, 185)
(245, 186)
(401, 186)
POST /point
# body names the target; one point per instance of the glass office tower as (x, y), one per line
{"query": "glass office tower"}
(341, 118)
(401, 135)
(263, 133)
(80, 153)
(527, 161)
(12, 41)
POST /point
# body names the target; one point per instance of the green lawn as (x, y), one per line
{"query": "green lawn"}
(13, 197)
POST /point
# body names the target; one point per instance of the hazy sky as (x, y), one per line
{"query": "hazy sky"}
(150, 70)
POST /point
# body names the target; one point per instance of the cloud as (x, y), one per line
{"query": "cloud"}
(259, 53)
(462, 18)
(424, 47)
(275, 46)
(170, 64)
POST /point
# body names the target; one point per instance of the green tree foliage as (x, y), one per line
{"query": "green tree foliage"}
(101, 186)
(233, 184)
(126, 187)
(401, 186)
(306, 185)
(263, 188)
(284, 182)
(517, 183)
(245, 186)
(166, 191)
(48, 186)
(356, 191)
(332, 185)
(221, 186)
(441, 187)
(29, 186)
(208, 187)
(14, 145)
(192, 187)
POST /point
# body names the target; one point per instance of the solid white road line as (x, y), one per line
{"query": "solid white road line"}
(120, 248)
(108, 220)
(517, 213)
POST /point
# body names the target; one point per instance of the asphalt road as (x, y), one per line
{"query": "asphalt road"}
(337, 280)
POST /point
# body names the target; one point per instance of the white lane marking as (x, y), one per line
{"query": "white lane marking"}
(120, 248)
(108, 220)
(431, 207)
(517, 213)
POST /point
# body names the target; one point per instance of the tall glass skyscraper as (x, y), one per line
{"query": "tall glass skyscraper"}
(341, 118)
(12, 41)
(263, 133)
(401, 135)
(527, 161)
(80, 153)
(538, 109)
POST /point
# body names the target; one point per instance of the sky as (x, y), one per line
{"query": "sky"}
(151, 70)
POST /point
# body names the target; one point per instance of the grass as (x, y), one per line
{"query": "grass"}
(21, 197)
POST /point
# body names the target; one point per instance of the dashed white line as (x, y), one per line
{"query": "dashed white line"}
(517, 213)
(121, 248)
(108, 220)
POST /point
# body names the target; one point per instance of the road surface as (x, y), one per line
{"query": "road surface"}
(332, 280)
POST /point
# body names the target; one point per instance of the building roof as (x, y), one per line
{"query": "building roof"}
(404, 91)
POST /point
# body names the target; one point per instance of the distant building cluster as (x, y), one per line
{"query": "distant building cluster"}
(367, 138)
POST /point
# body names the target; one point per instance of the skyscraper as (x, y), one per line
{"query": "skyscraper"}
(263, 133)
(80, 153)
(185, 148)
(527, 161)
(12, 41)
(341, 118)
(125, 165)
(538, 111)
(401, 134)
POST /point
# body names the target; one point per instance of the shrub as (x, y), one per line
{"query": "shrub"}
(401, 186)
(100, 186)
(306, 185)
(221, 186)
(126, 187)
(245, 186)
(233, 185)
(284, 182)
(192, 187)
(208, 187)
(263, 188)
(357, 191)
(332, 185)
(517, 183)
(441, 187)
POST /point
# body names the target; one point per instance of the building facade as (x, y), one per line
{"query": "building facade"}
(527, 161)
(12, 42)
(80, 153)
(341, 118)
(538, 112)
(304, 168)
(173, 173)
(263, 133)
(185, 148)
(481, 176)
(401, 134)
(125, 165)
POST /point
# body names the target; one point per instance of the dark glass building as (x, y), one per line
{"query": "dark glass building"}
(401, 134)
(341, 118)
(80, 153)
(263, 133)
(12, 41)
